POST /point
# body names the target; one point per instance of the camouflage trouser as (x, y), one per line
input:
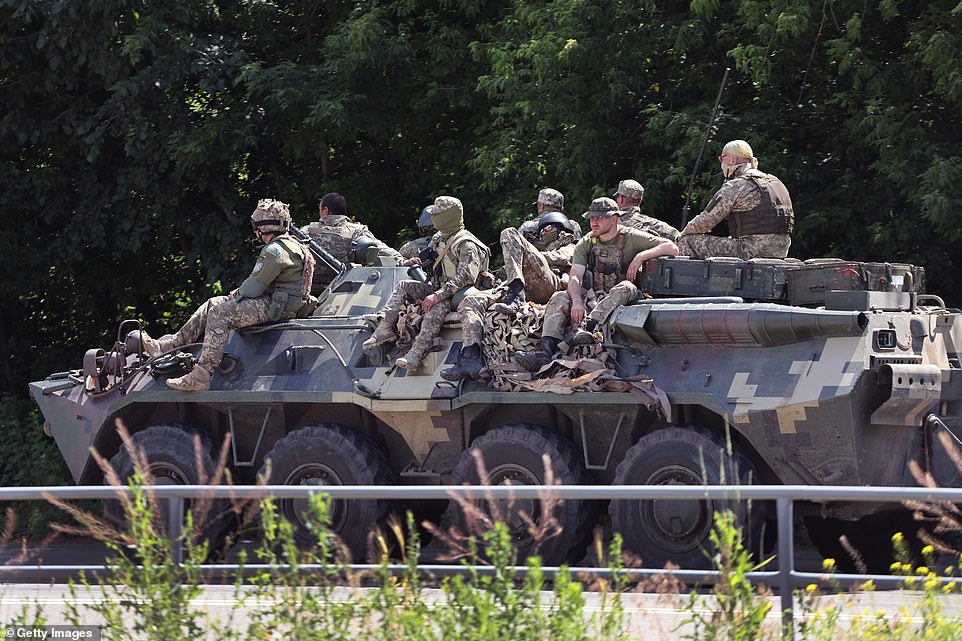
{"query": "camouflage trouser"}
(214, 319)
(472, 310)
(558, 311)
(746, 247)
(413, 291)
(523, 261)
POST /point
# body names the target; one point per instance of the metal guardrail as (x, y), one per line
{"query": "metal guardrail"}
(785, 578)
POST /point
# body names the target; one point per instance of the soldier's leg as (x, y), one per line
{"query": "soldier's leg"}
(405, 291)
(472, 310)
(430, 327)
(224, 314)
(621, 294)
(189, 332)
(703, 246)
(524, 262)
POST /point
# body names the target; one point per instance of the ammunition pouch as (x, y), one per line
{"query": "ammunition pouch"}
(277, 305)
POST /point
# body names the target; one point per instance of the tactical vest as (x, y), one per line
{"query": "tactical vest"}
(772, 215)
(292, 287)
(604, 262)
(448, 268)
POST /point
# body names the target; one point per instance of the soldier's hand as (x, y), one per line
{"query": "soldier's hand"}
(634, 267)
(411, 261)
(577, 312)
(430, 301)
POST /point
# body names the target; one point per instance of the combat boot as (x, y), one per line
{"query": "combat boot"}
(412, 359)
(540, 356)
(154, 346)
(514, 299)
(384, 332)
(585, 335)
(196, 380)
(469, 365)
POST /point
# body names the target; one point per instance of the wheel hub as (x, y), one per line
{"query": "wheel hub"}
(677, 521)
(315, 474)
(513, 511)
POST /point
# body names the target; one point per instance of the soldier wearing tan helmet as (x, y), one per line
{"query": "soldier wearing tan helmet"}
(460, 259)
(629, 196)
(758, 208)
(612, 254)
(278, 288)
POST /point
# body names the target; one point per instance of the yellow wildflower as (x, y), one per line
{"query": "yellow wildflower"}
(897, 537)
(928, 550)
(921, 570)
(828, 564)
(810, 588)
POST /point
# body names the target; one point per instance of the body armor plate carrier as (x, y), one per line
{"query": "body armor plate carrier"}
(772, 215)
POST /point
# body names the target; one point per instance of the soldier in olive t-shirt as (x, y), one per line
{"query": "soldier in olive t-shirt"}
(612, 254)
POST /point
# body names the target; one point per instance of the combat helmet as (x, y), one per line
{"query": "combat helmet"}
(364, 251)
(271, 216)
(425, 225)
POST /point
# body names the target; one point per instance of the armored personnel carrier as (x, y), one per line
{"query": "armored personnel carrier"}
(836, 390)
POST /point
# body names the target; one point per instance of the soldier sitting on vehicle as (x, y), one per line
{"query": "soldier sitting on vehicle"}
(278, 288)
(537, 254)
(336, 233)
(629, 196)
(612, 254)
(413, 248)
(455, 259)
(758, 208)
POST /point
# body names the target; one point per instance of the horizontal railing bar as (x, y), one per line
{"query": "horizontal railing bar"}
(584, 492)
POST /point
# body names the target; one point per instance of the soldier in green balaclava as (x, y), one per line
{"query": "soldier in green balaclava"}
(458, 260)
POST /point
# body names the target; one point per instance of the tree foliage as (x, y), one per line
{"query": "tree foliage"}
(137, 136)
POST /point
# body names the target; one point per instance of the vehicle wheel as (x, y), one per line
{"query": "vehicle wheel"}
(870, 536)
(678, 531)
(330, 454)
(512, 453)
(171, 460)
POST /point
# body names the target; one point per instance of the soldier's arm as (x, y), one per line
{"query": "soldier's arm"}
(560, 258)
(574, 292)
(269, 265)
(470, 259)
(717, 210)
(664, 248)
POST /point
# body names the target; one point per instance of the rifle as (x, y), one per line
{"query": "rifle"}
(319, 252)
(694, 172)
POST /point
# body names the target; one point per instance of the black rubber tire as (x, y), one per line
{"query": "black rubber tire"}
(677, 456)
(870, 536)
(169, 450)
(330, 454)
(514, 452)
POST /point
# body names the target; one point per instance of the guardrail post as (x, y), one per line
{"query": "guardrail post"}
(175, 525)
(786, 565)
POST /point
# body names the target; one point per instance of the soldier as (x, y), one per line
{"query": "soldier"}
(278, 288)
(758, 208)
(459, 259)
(537, 253)
(336, 233)
(413, 248)
(629, 196)
(612, 254)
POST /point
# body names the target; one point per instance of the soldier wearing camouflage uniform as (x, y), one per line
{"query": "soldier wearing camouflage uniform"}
(628, 197)
(336, 233)
(613, 254)
(537, 253)
(278, 288)
(758, 208)
(459, 260)
(413, 248)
